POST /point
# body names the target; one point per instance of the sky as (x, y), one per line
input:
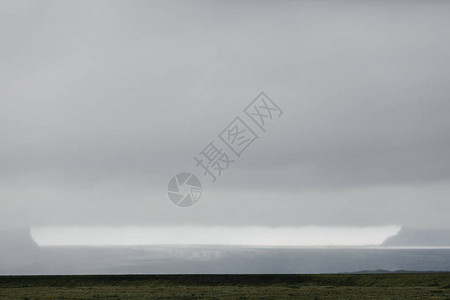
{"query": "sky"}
(103, 102)
(308, 236)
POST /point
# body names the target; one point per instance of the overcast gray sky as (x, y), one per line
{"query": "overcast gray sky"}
(102, 102)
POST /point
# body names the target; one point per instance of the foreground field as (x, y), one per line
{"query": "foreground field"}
(326, 286)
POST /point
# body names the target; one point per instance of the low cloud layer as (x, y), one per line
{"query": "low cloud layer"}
(103, 102)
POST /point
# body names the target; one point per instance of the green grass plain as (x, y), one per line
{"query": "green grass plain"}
(321, 286)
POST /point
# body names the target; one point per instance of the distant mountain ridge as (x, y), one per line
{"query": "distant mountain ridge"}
(413, 237)
(17, 239)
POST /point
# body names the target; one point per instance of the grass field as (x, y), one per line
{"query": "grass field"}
(325, 286)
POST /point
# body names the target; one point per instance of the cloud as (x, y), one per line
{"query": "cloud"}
(216, 235)
(102, 103)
